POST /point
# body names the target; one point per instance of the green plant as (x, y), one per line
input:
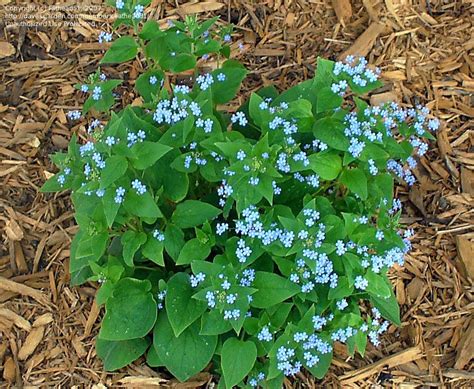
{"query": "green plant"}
(252, 240)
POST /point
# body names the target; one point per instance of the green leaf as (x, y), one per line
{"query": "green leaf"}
(378, 285)
(360, 339)
(147, 153)
(320, 369)
(388, 308)
(123, 49)
(272, 289)
(175, 185)
(115, 167)
(174, 240)
(193, 249)
(90, 248)
(212, 323)
(146, 88)
(343, 289)
(237, 359)
(326, 165)
(356, 180)
(224, 91)
(117, 354)
(185, 355)
(181, 308)
(130, 311)
(179, 62)
(327, 100)
(191, 213)
(79, 267)
(153, 359)
(132, 241)
(331, 132)
(151, 30)
(141, 205)
(52, 185)
(153, 250)
(324, 73)
(110, 206)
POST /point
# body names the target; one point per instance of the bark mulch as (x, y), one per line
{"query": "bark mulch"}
(425, 50)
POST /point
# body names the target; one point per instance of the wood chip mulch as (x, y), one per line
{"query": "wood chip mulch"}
(425, 50)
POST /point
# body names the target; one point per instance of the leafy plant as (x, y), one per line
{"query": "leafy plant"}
(251, 241)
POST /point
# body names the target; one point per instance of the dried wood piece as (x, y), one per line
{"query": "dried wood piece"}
(13, 230)
(465, 349)
(92, 318)
(141, 380)
(3, 350)
(6, 49)
(19, 257)
(343, 10)
(443, 141)
(199, 7)
(405, 356)
(467, 180)
(9, 370)
(459, 374)
(465, 248)
(32, 341)
(12, 286)
(381, 98)
(366, 41)
(416, 196)
(16, 319)
(43, 320)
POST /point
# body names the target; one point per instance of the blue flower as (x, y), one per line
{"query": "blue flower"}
(119, 195)
(105, 37)
(139, 187)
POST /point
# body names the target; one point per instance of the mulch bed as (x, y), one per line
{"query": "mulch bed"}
(425, 50)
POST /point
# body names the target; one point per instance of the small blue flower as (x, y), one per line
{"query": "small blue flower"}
(74, 115)
(361, 283)
(119, 195)
(138, 11)
(221, 228)
(105, 37)
(139, 187)
(158, 235)
(264, 335)
(97, 93)
(239, 117)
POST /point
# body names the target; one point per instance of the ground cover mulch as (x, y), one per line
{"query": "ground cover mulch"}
(425, 51)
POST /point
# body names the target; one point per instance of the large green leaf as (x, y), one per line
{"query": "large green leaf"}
(356, 180)
(193, 249)
(130, 311)
(147, 153)
(123, 49)
(115, 167)
(237, 359)
(185, 355)
(191, 213)
(117, 354)
(131, 242)
(388, 308)
(226, 90)
(272, 289)
(331, 132)
(326, 165)
(181, 308)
